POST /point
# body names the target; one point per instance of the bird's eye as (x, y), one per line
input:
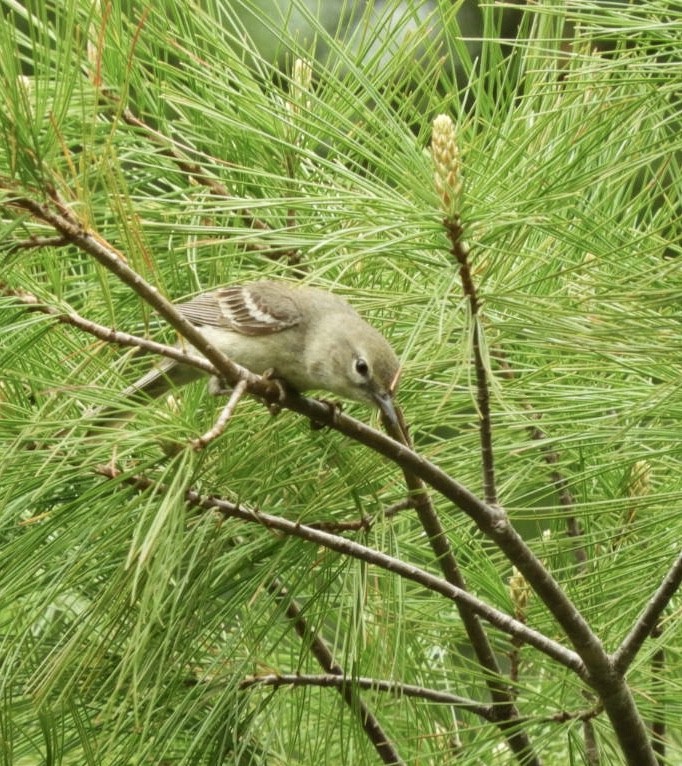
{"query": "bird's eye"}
(361, 367)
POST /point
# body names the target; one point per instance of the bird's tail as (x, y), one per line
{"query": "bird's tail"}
(161, 379)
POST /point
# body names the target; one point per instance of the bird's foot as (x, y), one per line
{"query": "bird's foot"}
(280, 393)
(335, 408)
(218, 386)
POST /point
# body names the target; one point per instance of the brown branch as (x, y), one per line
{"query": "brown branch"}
(658, 721)
(505, 712)
(566, 499)
(399, 689)
(592, 755)
(504, 622)
(579, 715)
(348, 691)
(169, 148)
(221, 423)
(395, 688)
(365, 522)
(648, 619)
(35, 241)
(108, 334)
(460, 251)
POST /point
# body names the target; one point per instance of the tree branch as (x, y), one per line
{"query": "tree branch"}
(505, 712)
(504, 622)
(348, 691)
(170, 149)
(648, 619)
(73, 319)
(35, 242)
(460, 252)
(394, 688)
(552, 459)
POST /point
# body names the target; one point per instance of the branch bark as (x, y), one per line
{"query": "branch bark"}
(348, 690)
(460, 251)
(647, 621)
(501, 620)
(505, 712)
(394, 688)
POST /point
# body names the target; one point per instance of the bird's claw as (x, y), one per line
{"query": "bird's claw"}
(335, 409)
(218, 386)
(274, 402)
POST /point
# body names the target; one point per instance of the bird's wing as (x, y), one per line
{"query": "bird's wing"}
(258, 309)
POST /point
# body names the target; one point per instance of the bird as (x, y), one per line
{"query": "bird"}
(309, 338)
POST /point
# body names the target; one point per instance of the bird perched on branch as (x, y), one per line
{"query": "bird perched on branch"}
(309, 338)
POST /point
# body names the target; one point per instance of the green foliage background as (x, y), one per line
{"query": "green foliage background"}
(127, 622)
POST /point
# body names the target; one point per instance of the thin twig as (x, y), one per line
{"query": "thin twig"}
(579, 715)
(566, 499)
(365, 522)
(226, 413)
(460, 251)
(592, 755)
(648, 619)
(506, 714)
(35, 241)
(108, 334)
(348, 691)
(394, 688)
(658, 720)
(552, 458)
(504, 622)
(169, 148)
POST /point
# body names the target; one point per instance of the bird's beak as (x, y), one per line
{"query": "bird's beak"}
(385, 403)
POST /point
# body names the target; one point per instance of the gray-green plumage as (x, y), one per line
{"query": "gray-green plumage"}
(310, 338)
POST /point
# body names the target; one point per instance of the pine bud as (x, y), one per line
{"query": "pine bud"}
(299, 86)
(520, 591)
(447, 165)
